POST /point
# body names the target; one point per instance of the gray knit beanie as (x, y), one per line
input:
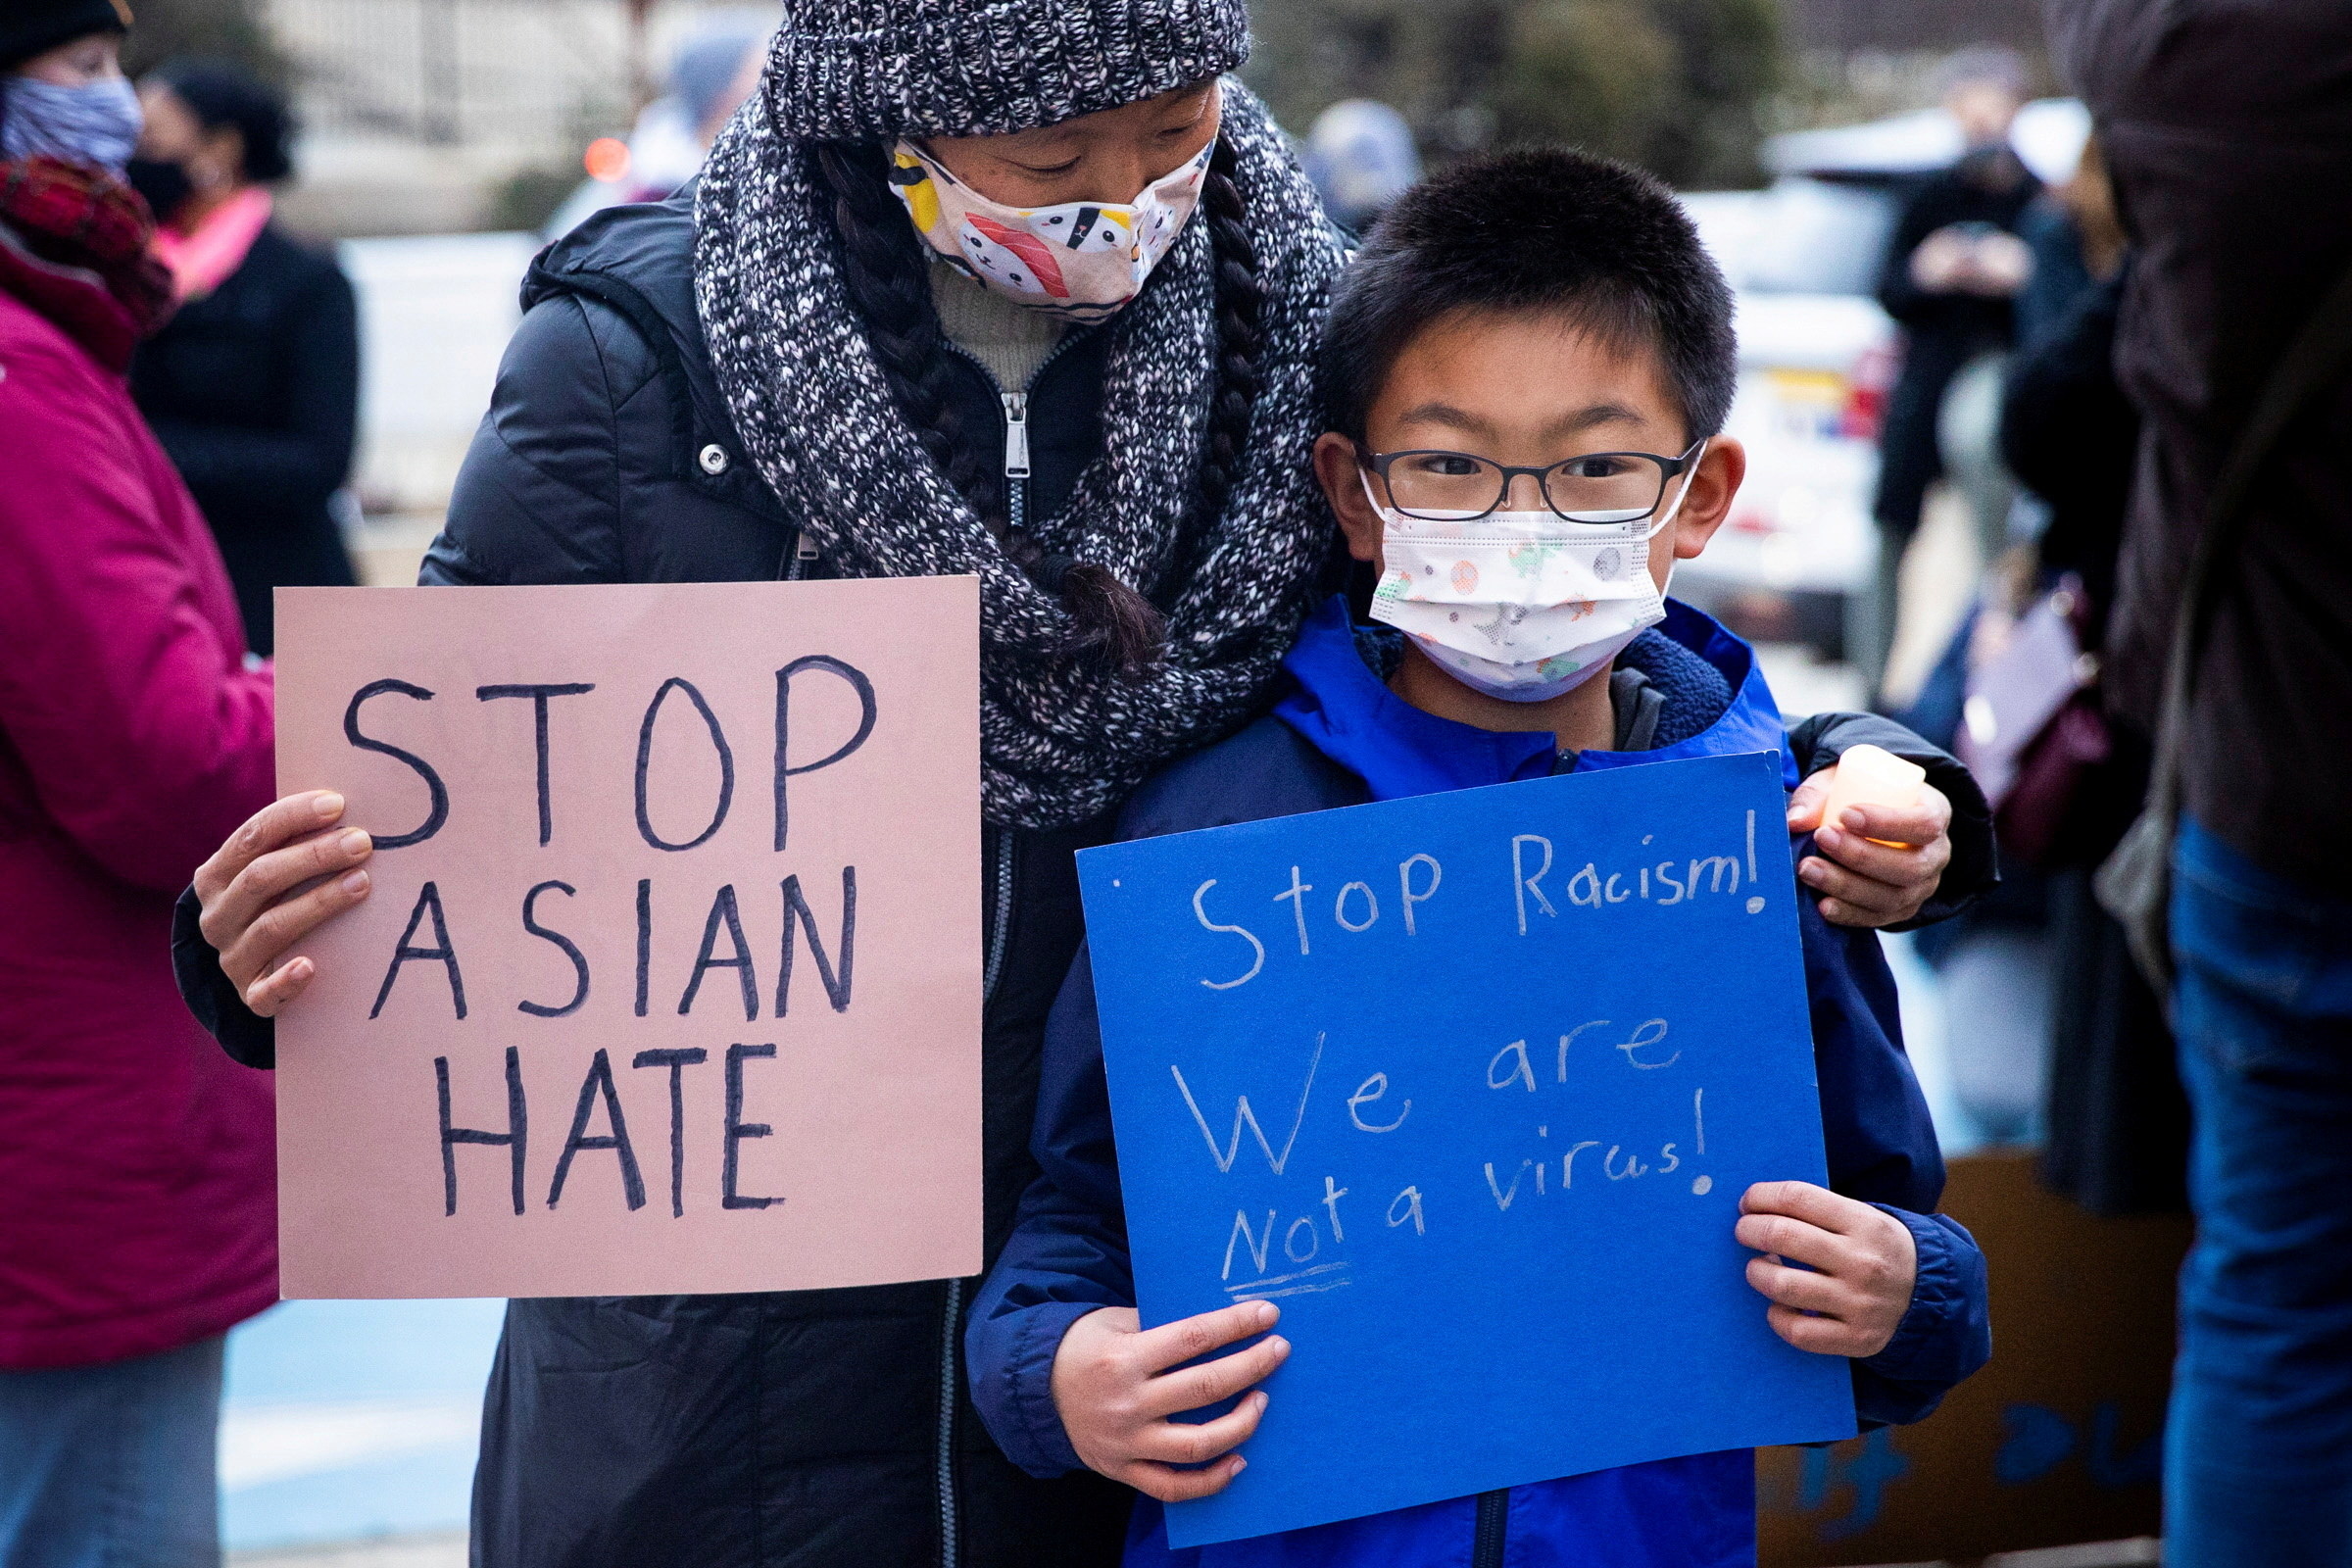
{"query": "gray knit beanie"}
(875, 69)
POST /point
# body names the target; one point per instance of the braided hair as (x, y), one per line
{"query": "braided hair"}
(887, 269)
(1240, 301)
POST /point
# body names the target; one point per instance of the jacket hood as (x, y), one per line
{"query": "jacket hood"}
(1346, 711)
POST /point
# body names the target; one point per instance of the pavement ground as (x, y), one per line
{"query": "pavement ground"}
(346, 1420)
(439, 1550)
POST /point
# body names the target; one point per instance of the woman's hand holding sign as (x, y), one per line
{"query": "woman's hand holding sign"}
(1115, 1393)
(285, 872)
(1860, 1266)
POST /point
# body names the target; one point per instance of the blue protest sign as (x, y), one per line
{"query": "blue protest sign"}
(1470, 1084)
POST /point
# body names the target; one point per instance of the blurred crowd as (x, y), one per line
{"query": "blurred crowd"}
(2131, 381)
(2136, 382)
(2006, 291)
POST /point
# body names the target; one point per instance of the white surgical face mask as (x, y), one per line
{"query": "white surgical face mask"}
(1524, 605)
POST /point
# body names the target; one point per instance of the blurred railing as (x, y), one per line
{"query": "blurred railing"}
(525, 73)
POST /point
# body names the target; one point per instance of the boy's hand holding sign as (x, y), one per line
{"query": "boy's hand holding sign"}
(1485, 1092)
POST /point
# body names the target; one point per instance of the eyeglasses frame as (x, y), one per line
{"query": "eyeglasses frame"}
(1668, 469)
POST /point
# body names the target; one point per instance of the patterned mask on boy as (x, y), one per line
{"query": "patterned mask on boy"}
(1524, 605)
(1078, 260)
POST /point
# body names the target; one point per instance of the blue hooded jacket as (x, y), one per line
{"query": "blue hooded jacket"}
(1340, 738)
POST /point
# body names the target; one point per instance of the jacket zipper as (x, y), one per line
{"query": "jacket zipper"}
(951, 1360)
(1494, 1521)
(1017, 458)
(1016, 499)
(801, 551)
(950, 1552)
(1016, 434)
(999, 936)
(1016, 423)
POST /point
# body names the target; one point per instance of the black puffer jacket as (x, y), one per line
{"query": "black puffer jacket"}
(789, 1430)
(804, 1429)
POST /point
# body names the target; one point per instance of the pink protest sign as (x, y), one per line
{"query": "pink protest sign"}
(669, 978)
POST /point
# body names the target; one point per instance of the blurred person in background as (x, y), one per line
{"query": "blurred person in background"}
(2227, 133)
(1993, 958)
(2067, 431)
(709, 77)
(2054, 1037)
(1361, 156)
(254, 386)
(2117, 1123)
(137, 1160)
(2077, 242)
(1953, 265)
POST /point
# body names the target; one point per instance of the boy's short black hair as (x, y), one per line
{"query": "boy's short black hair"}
(1538, 230)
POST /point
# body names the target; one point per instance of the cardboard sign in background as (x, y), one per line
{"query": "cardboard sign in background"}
(1470, 1085)
(2059, 1441)
(692, 1004)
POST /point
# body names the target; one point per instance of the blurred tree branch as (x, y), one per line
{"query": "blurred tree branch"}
(232, 29)
(1678, 86)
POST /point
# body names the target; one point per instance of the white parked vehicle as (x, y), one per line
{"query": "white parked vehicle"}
(1816, 357)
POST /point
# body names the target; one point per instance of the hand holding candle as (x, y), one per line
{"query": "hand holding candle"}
(1871, 776)
(1881, 831)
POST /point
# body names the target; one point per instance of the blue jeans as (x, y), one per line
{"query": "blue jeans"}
(113, 1466)
(2258, 1469)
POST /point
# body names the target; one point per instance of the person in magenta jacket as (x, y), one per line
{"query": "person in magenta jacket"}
(139, 1220)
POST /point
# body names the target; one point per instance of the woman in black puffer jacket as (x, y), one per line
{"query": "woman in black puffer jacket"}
(782, 374)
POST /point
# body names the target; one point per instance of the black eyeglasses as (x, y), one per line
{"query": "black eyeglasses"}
(1598, 489)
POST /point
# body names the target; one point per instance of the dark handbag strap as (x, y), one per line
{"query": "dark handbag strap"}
(2312, 361)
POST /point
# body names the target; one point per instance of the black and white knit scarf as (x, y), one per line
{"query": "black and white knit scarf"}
(1062, 737)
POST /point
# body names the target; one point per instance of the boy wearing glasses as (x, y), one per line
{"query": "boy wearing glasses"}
(1527, 367)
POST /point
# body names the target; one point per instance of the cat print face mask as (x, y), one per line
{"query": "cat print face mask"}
(1080, 260)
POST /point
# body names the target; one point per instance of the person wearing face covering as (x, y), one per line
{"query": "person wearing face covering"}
(141, 1221)
(254, 386)
(63, 94)
(1528, 369)
(1029, 291)
(1952, 263)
